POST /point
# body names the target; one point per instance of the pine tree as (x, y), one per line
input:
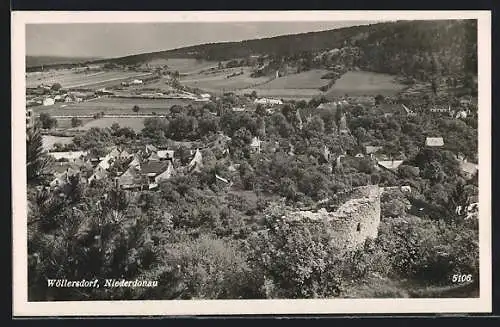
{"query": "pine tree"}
(35, 157)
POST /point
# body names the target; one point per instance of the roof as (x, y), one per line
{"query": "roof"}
(197, 161)
(129, 177)
(255, 142)
(327, 106)
(390, 164)
(434, 141)
(469, 167)
(372, 149)
(70, 155)
(155, 167)
(164, 154)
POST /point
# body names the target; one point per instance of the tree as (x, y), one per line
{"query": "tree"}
(379, 99)
(35, 157)
(136, 109)
(47, 121)
(75, 122)
(56, 87)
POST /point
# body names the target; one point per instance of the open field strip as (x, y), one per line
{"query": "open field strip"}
(365, 83)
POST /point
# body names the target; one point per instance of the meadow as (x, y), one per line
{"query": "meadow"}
(137, 124)
(365, 83)
(217, 81)
(183, 65)
(71, 79)
(111, 106)
(306, 80)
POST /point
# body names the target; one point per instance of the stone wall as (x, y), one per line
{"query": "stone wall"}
(353, 222)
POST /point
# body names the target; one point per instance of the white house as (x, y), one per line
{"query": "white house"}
(68, 155)
(205, 96)
(266, 101)
(48, 102)
(434, 141)
(136, 82)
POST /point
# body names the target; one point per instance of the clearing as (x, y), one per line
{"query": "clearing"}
(137, 124)
(365, 83)
(218, 80)
(72, 79)
(111, 106)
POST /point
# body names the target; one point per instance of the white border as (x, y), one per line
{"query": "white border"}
(193, 307)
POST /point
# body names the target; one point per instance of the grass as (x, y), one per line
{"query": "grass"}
(365, 83)
(110, 106)
(306, 80)
(71, 79)
(49, 141)
(286, 94)
(183, 65)
(217, 81)
(137, 124)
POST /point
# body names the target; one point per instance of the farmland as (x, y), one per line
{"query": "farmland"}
(183, 65)
(365, 83)
(305, 80)
(137, 124)
(218, 81)
(71, 79)
(110, 106)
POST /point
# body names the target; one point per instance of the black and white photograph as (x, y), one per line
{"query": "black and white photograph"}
(210, 157)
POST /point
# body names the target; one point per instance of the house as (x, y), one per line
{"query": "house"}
(136, 161)
(408, 111)
(468, 168)
(343, 129)
(224, 182)
(61, 179)
(205, 96)
(156, 171)
(238, 109)
(68, 155)
(30, 118)
(130, 179)
(150, 149)
(136, 82)
(440, 110)
(196, 163)
(434, 141)
(99, 173)
(391, 165)
(48, 102)
(269, 102)
(255, 145)
(370, 149)
(58, 98)
(165, 154)
(461, 114)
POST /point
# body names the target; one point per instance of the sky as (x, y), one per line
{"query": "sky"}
(109, 40)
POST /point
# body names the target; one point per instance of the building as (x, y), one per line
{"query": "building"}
(370, 149)
(196, 164)
(156, 171)
(408, 111)
(255, 145)
(268, 102)
(130, 179)
(434, 141)
(328, 106)
(48, 102)
(165, 154)
(440, 110)
(70, 156)
(343, 129)
(391, 165)
(469, 169)
(30, 118)
(136, 82)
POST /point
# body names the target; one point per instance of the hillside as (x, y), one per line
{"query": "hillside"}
(35, 61)
(408, 47)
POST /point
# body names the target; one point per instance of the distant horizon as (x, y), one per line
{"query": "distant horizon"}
(113, 40)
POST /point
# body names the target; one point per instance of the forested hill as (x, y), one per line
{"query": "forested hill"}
(449, 46)
(35, 61)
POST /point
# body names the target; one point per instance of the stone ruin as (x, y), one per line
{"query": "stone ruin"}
(352, 222)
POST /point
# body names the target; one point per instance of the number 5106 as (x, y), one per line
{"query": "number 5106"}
(457, 278)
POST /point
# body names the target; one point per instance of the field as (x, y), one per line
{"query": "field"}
(48, 141)
(305, 80)
(137, 124)
(365, 83)
(183, 65)
(71, 79)
(302, 86)
(217, 81)
(110, 106)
